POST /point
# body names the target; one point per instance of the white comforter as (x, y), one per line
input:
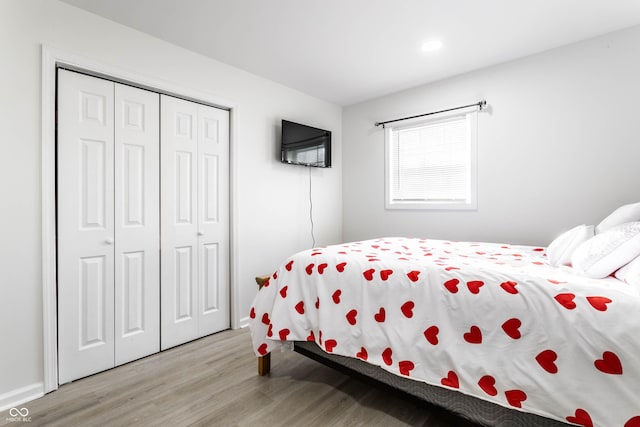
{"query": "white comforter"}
(493, 321)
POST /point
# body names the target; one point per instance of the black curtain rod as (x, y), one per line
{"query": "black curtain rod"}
(480, 104)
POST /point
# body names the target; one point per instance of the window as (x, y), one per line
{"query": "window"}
(431, 164)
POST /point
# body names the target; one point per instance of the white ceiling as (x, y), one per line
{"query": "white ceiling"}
(348, 51)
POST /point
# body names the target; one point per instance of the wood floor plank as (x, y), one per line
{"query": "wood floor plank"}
(214, 382)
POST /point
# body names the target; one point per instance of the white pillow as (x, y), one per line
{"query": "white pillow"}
(560, 250)
(604, 253)
(623, 214)
(630, 273)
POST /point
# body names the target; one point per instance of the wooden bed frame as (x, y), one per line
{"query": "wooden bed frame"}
(468, 407)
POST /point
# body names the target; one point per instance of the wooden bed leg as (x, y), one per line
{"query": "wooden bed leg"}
(264, 364)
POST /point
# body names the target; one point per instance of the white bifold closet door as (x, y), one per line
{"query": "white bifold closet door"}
(108, 224)
(194, 220)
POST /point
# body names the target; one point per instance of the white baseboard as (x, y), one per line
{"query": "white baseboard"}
(15, 398)
(244, 322)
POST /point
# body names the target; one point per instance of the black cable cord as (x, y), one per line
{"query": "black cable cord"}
(313, 239)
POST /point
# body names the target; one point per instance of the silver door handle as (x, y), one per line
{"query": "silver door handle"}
(200, 233)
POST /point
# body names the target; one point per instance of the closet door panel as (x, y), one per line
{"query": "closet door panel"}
(213, 219)
(137, 223)
(85, 225)
(179, 227)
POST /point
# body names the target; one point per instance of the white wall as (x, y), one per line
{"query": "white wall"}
(272, 199)
(560, 146)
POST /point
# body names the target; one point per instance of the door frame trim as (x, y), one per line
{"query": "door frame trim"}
(52, 58)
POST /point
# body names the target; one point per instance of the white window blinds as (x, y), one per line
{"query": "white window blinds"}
(431, 163)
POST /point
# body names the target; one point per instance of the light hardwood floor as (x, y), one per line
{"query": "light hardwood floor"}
(213, 382)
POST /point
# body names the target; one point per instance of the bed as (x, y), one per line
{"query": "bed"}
(494, 332)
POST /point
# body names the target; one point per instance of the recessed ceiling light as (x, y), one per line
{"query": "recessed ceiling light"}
(431, 45)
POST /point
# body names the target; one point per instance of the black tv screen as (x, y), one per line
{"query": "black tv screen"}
(305, 145)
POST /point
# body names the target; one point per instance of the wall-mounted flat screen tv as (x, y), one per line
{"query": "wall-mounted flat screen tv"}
(305, 145)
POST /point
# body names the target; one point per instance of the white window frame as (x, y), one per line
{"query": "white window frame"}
(471, 115)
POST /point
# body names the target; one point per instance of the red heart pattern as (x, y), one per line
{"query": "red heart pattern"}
(566, 300)
(452, 285)
(393, 282)
(509, 287)
(362, 354)
(283, 334)
(488, 384)
(386, 356)
(407, 309)
(336, 296)
(329, 345)
(474, 286)
(405, 367)
(384, 274)
(581, 417)
(381, 315)
(511, 327)
(599, 303)
(633, 422)
(474, 336)
(351, 316)
(368, 274)
(309, 269)
(262, 349)
(283, 291)
(413, 275)
(451, 380)
(515, 397)
(609, 364)
(431, 334)
(547, 360)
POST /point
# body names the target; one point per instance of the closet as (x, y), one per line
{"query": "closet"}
(195, 223)
(142, 222)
